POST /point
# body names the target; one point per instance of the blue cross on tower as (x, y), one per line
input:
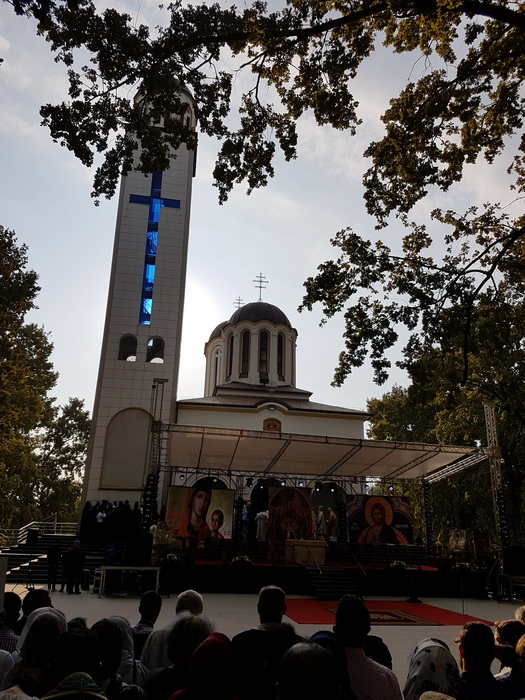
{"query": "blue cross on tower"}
(155, 203)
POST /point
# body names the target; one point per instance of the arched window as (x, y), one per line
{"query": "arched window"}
(216, 368)
(155, 352)
(245, 354)
(128, 348)
(280, 356)
(263, 355)
(230, 356)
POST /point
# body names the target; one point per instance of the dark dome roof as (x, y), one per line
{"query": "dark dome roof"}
(260, 311)
(216, 332)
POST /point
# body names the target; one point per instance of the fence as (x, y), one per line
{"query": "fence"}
(49, 526)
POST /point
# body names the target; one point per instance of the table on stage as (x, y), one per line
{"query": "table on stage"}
(305, 552)
(105, 569)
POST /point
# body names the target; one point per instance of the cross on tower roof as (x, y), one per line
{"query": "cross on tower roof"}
(238, 303)
(260, 278)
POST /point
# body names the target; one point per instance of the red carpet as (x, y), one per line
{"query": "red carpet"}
(383, 612)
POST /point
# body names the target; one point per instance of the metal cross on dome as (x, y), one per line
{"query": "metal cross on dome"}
(263, 282)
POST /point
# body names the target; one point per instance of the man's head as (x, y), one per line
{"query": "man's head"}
(150, 605)
(12, 607)
(352, 621)
(271, 605)
(190, 600)
(35, 598)
(76, 543)
(476, 646)
(307, 672)
(508, 632)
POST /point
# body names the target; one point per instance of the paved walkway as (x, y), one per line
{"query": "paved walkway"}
(233, 613)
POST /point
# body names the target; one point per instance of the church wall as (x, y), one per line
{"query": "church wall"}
(316, 424)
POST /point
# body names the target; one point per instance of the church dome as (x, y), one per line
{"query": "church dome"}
(216, 332)
(260, 311)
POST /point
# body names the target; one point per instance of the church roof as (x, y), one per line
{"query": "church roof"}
(216, 332)
(246, 396)
(260, 311)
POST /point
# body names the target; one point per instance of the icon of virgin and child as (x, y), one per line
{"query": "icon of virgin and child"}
(194, 520)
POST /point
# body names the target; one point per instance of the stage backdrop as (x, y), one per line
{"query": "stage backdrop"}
(379, 520)
(290, 515)
(213, 509)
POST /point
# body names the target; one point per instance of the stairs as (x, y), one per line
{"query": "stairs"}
(332, 584)
(27, 562)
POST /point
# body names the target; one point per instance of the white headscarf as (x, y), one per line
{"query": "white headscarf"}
(432, 667)
(41, 614)
(6, 661)
(130, 670)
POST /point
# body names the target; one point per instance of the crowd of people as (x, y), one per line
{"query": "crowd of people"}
(43, 655)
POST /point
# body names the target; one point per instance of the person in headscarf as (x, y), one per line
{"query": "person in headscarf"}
(110, 642)
(6, 661)
(187, 633)
(29, 672)
(432, 667)
(211, 671)
(329, 641)
(75, 666)
(130, 670)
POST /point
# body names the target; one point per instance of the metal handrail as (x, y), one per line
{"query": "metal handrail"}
(48, 526)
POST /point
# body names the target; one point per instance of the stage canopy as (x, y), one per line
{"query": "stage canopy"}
(223, 450)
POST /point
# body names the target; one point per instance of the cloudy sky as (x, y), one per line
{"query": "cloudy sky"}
(282, 231)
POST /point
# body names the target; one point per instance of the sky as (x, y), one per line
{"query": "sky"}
(282, 231)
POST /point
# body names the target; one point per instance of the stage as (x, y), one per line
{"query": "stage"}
(219, 576)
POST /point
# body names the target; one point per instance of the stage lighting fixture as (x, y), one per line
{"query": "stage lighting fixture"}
(301, 484)
(283, 483)
(318, 485)
(249, 481)
(390, 488)
(182, 477)
(214, 479)
(367, 487)
(332, 487)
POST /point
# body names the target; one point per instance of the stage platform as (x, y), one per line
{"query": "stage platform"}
(216, 576)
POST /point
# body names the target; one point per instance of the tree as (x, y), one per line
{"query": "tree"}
(467, 105)
(60, 456)
(26, 377)
(41, 447)
(438, 407)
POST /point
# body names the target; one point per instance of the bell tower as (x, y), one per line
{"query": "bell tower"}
(143, 327)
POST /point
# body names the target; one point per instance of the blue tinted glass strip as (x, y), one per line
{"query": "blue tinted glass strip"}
(155, 202)
(151, 243)
(156, 183)
(154, 210)
(171, 203)
(138, 199)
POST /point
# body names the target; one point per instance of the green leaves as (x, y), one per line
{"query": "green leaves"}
(466, 103)
(41, 446)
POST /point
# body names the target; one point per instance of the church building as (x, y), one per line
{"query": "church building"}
(252, 418)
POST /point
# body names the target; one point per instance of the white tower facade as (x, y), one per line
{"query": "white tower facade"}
(142, 333)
